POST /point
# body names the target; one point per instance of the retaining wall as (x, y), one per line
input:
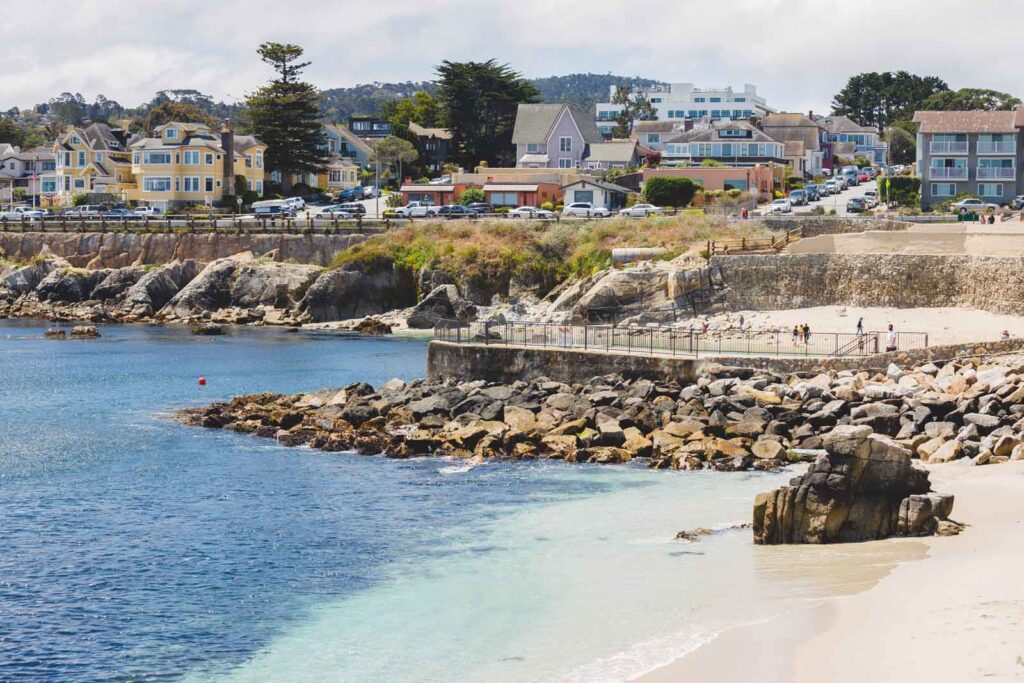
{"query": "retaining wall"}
(117, 250)
(811, 226)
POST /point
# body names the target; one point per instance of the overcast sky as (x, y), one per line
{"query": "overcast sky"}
(797, 52)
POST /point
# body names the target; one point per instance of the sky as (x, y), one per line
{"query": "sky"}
(798, 53)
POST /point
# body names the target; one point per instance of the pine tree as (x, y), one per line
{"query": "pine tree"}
(285, 114)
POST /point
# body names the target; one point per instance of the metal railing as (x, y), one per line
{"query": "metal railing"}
(996, 172)
(673, 340)
(997, 147)
(947, 148)
(224, 223)
(947, 173)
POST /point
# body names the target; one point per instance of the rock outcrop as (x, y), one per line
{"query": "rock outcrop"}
(864, 487)
(155, 289)
(351, 292)
(443, 303)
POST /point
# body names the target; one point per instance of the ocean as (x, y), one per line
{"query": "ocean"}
(137, 549)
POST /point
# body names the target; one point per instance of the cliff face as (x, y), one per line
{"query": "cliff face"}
(95, 250)
(990, 283)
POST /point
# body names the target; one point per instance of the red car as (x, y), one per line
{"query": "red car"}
(864, 177)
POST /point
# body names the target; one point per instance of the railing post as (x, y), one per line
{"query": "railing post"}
(487, 333)
(584, 336)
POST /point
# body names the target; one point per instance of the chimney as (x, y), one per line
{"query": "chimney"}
(227, 141)
(810, 114)
(688, 124)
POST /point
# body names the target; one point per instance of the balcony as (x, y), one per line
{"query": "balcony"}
(947, 173)
(997, 147)
(948, 147)
(996, 173)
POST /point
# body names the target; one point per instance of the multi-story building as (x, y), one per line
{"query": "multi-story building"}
(369, 126)
(969, 152)
(730, 143)
(188, 163)
(553, 135)
(29, 174)
(436, 145)
(342, 141)
(807, 145)
(94, 159)
(681, 101)
(849, 138)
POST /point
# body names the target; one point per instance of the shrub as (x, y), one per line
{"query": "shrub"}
(903, 190)
(547, 206)
(502, 209)
(472, 195)
(711, 163)
(394, 200)
(559, 207)
(734, 192)
(669, 191)
(79, 199)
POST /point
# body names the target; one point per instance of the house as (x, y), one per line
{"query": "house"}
(188, 163)
(436, 145)
(94, 159)
(341, 140)
(434, 193)
(970, 152)
(807, 146)
(652, 134)
(682, 101)
(615, 154)
(365, 126)
(553, 135)
(29, 174)
(597, 192)
(514, 194)
(731, 143)
(842, 129)
(761, 178)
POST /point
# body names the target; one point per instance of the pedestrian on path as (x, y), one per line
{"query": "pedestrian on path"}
(890, 340)
(807, 333)
(796, 335)
(860, 326)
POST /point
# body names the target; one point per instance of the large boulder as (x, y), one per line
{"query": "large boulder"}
(864, 487)
(443, 303)
(274, 284)
(356, 290)
(208, 291)
(608, 294)
(69, 285)
(26, 278)
(156, 288)
(117, 282)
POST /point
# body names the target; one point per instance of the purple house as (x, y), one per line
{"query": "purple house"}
(553, 135)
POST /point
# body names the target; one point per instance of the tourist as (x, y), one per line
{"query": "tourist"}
(890, 340)
(1006, 335)
(741, 321)
(860, 326)
(796, 335)
(807, 333)
(704, 325)
(991, 219)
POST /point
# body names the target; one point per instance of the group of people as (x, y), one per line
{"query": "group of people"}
(891, 338)
(802, 334)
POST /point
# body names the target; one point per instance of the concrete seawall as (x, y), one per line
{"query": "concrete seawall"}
(117, 250)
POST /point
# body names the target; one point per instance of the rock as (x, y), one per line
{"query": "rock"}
(919, 514)
(84, 332)
(55, 334)
(984, 423)
(156, 288)
(926, 449)
(940, 430)
(894, 372)
(432, 404)
(208, 329)
(603, 455)
(117, 282)
(357, 290)
(1005, 445)
(694, 535)
(519, 419)
(443, 303)
(768, 449)
(372, 326)
(951, 450)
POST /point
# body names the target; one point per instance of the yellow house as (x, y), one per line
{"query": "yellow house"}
(188, 163)
(94, 159)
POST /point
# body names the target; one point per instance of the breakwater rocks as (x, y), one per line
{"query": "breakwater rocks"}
(863, 487)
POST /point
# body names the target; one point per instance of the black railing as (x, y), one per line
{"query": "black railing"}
(211, 223)
(673, 340)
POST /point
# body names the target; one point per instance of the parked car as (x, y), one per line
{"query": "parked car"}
(642, 210)
(296, 203)
(780, 206)
(870, 170)
(119, 213)
(841, 182)
(585, 210)
(531, 212)
(832, 186)
(83, 211)
(23, 213)
(856, 205)
(369, 192)
(481, 207)
(454, 211)
(1017, 202)
(353, 207)
(798, 198)
(813, 194)
(864, 177)
(973, 204)
(350, 194)
(871, 198)
(336, 211)
(273, 207)
(416, 210)
(147, 211)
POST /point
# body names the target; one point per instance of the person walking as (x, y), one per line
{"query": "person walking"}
(807, 333)
(890, 340)
(796, 335)
(860, 326)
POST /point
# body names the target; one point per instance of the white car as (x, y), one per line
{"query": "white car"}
(336, 211)
(531, 212)
(147, 211)
(23, 213)
(642, 210)
(416, 210)
(369, 192)
(973, 204)
(296, 203)
(586, 210)
(780, 206)
(871, 197)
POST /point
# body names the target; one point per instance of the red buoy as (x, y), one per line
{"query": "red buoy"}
(202, 381)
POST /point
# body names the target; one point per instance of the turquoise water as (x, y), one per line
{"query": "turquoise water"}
(134, 548)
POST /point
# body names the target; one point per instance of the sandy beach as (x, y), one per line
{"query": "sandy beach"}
(955, 615)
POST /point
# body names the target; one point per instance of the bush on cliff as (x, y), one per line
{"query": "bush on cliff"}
(903, 190)
(669, 191)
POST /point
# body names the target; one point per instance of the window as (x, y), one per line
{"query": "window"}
(99, 157)
(334, 176)
(692, 114)
(209, 159)
(943, 189)
(990, 189)
(192, 184)
(716, 99)
(49, 185)
(248, 162)
(136, 158)
(81, 158)
(564, 144)
(177, 184)
(584, 196)
(656, 100)
(671, 113)
(171, 133)
(504, 199)
(75, 140)
(259, 159)
(79, 183)
(532, 148)
(156, 157)
(734, 133)
(565, 162)
(191, 157)
(654, 137)
(739, 99)
(259, 187)
(699, 99)
(209, 183)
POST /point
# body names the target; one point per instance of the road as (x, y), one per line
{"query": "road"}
(836, 202)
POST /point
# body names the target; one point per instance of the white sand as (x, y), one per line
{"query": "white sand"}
(956, 616)
(943, 325)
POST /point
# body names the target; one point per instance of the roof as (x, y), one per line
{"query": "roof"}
(713, 133)
(535, 121)
(608, 187)
(653, 127)
(439, 133)
(792, 127)
(348, 136)
(244, 142)
(533, 159)
(795, 148)
(969, 121)
(426, 187)
(843, 124)
(509, 187)
(102, 136)
(612, 151)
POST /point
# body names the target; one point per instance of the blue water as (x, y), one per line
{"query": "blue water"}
(134, 548)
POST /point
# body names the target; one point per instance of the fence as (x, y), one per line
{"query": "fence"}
(748, 244)
(199, 224)
(673, 341)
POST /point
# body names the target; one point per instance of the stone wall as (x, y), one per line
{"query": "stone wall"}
(782, 281)
(117, 250)
(811, 226)
(506, 364)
